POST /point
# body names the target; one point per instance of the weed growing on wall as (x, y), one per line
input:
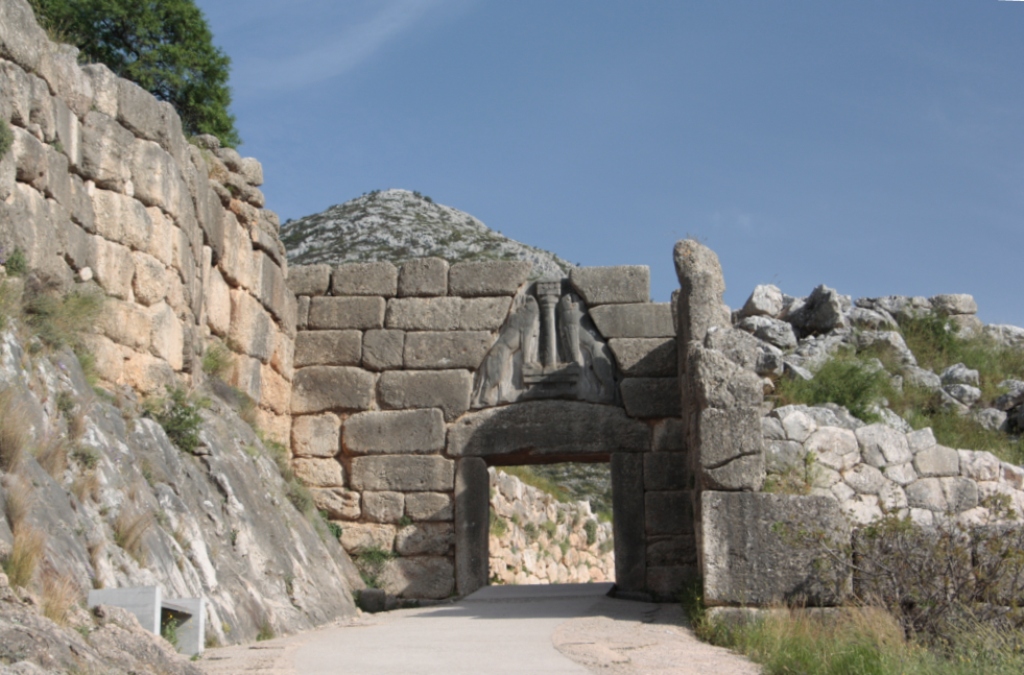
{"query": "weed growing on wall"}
(217, 360)
(6, 137)
(371, 562)
(16, 264)
(178, 414)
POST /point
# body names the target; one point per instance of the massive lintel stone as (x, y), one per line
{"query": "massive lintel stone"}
(497, 277)
(701, 286)
(651, 397)
(394, 432)
(403, 473)
(645, 357)
(448, 390)
(646, 320)
(754, 553)
(547, 428)
(447, 349)
(322, 388)
(328, 348)
(612, 285)
(369, 278)
(341, 313)
(423, 277)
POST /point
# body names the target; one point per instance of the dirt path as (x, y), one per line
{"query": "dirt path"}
(565, 630)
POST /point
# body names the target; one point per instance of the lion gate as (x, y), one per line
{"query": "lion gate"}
(410, 381)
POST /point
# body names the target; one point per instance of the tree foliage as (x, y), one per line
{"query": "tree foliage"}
(165, 46)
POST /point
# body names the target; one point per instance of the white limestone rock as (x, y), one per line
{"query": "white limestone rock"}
(958, 373)
(766, 300)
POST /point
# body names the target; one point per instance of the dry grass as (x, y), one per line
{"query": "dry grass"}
(18, 499)
(86, 486)
(53, 456)
(130, 529)
(59, 594)
(26, 553)
(15, 430)
(96, 551)
(76, 424)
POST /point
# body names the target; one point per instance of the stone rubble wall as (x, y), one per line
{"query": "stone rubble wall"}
(102, 187)
(544, 541)
(383, 430)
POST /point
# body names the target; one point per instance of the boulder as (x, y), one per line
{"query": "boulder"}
(821, 313)
(958, 373)
(773, 331)
(954, 303)
(766, 300)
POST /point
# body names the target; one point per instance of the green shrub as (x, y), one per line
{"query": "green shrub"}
(847, 381)
(498, 525)
(217, 360)
(331, 526)
(370, 563)
(590, 527)
(6, 137)
(16, 263)
(179, 415)
(60, 321)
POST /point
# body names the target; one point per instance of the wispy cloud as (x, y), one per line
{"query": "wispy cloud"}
(333, 55)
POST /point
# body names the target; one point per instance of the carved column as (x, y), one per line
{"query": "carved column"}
(548, 294)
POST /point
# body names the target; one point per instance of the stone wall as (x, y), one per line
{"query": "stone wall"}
(411, 380)
(101, 188)
(536, 539)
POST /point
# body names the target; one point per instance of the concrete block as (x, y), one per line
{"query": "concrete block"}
(394, 432)
(316, 435)
(423, 277)
(322, 388)
(428, 506)
(383, 349)
(629, 521)
(309, 279)
(144, 602)
(612, 285)
(443, 350)
(645, 357)
(369, 278)
(190, 617)
(328, 348)
(351, 312)
(423, 313)
(403, 473)
(645, 320)
(750, 559)
(497, 277)
(425, 539)
(668, 512)
(651, 397)
(472, 525)
(383, 507)
(448, 390)
(539, 428)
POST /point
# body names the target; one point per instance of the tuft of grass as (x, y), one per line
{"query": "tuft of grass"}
(18, 499)
(130, 529)
(798, 480)
(88, 457)
(499, 528)
(266, 631)
(60, 321)
(845, 380)
(371, 562)
(53, 456)
(178, 414)
(332, 527)
(59, 594)
(86, 485)
(300, 497)
(217, 360)
(16, 264)
(27, 551)
(15, 429)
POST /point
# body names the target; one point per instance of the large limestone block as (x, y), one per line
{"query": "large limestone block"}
(316, 435)
(937, 460)
(357, 538)
(651, 397)
(403, 473)
(483, 313)
(426, 577)
(156, 177)
(423, 277)
(218, 304)
(766, 300)
(369, 278)
(667, 471)
(383, 349)
(236, 264)
(731, 449)
(122, 219)
(423, 313)
(246, 375)
(161, 236)
(147, 374)
(309, 279)
(425, 539)
(252, 330)
(443, 350)
(126, 323)
(338, 503)
(629, 522)
(954, 303)
(715, 381)
(112, 265)
(360, 313)
(106, 152)
(167, 335)
(150, 281)
(20, 34)
(328, 348)
(383, 507)
(448, 390)
(275, 391)
(646, 320)
(428, 506)
(834, 447)
(322, 388)
(547, 428)
(645, 357)
(496, 277)
(668, 512)
(394, 432)
(754, 553)
(701, 286)
(773, 331)
(820, 313)
(139, 111)
(272, 290)
(612, 285)
(668, 436)
(472, 524)
(318, 472)
(672, 550)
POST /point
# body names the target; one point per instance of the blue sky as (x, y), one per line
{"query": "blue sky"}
(876, 147)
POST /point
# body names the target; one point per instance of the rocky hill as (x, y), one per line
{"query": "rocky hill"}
(397, 225)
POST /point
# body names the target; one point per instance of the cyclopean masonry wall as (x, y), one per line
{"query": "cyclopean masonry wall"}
(410, 381)
(100, 188)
